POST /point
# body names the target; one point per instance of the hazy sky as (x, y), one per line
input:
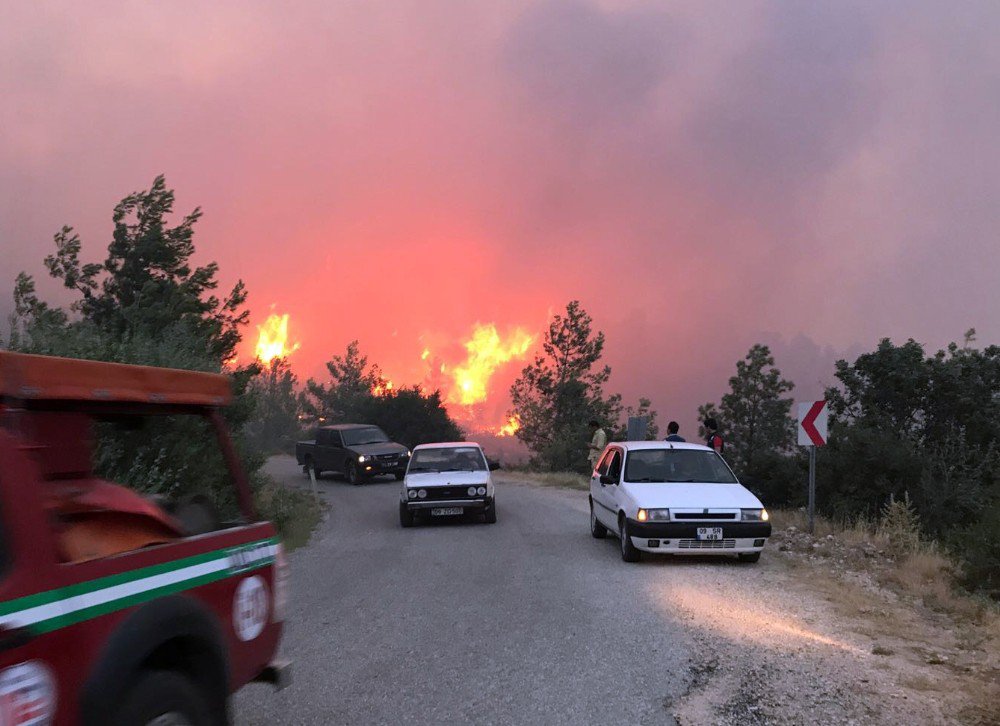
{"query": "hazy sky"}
(700, 175)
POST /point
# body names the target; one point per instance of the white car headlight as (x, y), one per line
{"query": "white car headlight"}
(754, 515)
(412, 493)
(481, 491)
(653, 515)
(422, 493)
(471, 491)
(361, 460)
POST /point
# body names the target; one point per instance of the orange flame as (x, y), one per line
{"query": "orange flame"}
(272, 339)
(383, 388)
(487, 351)
(510, 428)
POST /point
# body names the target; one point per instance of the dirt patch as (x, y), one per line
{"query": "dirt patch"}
(801, 639)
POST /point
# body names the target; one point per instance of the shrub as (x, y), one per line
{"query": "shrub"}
(979, 548)
(900, 525)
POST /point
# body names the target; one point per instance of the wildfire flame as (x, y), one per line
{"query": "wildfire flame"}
(272, 339)
(486, 351)
(383, 388)
(510, 428)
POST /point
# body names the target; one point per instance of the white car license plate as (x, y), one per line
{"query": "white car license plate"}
(446, 511)
(709, 532)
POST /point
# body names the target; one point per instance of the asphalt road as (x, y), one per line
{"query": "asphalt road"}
(526, 621)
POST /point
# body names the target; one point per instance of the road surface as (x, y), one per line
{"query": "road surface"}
(529, 620)
(532, 621)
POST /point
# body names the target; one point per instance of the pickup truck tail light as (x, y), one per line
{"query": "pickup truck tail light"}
(280, 584)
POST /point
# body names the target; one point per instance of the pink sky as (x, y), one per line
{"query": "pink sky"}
(700, 175)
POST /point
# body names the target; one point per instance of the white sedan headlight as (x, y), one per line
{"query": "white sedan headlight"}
(754, 515)
(481, 491)
(653, 515)
(412, 493)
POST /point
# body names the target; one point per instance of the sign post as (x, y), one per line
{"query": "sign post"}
(812, 432)
(637, 428)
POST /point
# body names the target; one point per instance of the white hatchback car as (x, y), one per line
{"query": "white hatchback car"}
(674, 498)
(446, 480)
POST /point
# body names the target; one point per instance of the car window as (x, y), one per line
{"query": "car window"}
(322, 437)
(457, 458)
(615, 467)
(367, 435)
(677, 465)
(602, 467)
(335, 440)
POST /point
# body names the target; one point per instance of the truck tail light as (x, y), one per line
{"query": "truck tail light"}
(280, 584)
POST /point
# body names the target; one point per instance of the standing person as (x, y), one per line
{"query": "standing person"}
(672, 428)
(712, 435)
(597, 443)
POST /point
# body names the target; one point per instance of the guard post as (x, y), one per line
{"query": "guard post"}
(812, 432)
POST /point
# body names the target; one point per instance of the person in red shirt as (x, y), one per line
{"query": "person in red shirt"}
(713, 439)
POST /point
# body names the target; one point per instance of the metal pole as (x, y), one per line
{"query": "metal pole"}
(812, 489)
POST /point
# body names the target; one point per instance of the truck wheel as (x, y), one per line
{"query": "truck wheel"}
(400, 476)
(307, 467)
(163, 698)
(490, 515)
(629, 551)
(353, 475)
(405, 516)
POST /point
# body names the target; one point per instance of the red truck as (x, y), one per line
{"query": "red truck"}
(117, 608)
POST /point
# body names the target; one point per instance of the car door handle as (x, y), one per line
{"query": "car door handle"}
(11, 638)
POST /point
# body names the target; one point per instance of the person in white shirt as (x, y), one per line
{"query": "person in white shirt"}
(597, 443)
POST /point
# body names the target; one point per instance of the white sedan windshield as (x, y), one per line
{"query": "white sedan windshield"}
(677, 465)
(459, 458)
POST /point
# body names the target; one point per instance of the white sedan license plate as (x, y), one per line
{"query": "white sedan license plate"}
(709, 532)
(446, 511)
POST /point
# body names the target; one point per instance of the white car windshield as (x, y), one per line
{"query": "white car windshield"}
(677, 465)
(459, 458)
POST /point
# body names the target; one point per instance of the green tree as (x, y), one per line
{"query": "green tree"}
(755, 412)
(145, 304)
(357, 393)
(562, 390)
(275, 425)
(348, 394)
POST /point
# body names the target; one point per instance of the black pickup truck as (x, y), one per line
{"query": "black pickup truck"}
(358, 451)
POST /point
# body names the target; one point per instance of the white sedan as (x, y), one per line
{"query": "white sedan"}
(447, 480)
(674, 498)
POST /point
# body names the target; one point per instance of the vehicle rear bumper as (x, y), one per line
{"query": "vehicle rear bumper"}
(278, 673)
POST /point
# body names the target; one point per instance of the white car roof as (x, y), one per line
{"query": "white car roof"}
(447, 445)
(642, 445)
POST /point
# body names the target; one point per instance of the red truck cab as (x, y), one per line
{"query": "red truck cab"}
(116, 608)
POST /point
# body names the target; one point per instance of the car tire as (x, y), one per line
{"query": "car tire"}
(163, 697)
(629, 551)
(353, 475)
(749, 557)
(490, 514)
(597, 530)
(307, 467)
(405, 516)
